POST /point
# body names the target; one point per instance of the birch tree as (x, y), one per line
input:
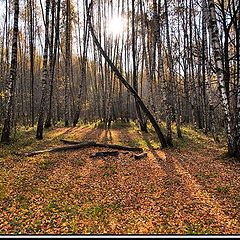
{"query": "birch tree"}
(42, 110)
(12, 81)
(215, 43)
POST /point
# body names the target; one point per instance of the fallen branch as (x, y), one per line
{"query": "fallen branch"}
(140, 156)
(79, 145)
(104, 154)
(105, 145)
(59, 149)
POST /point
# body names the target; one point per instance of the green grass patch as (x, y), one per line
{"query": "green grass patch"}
(170, 213)
(237, 199)
(78, 162)
(222, 189)
(108, 170)
(93, 212)
(2, 191)
(115, 207)
(152, 188)
(202, 176)
(24, 140)
(99, 125)
(121, 124)
(192, 137)
(100, 211)
(196, 138)
(196, 229)
(22, 200)
(71, 209)
(47, 164)
(37, 225)
(118, 124)
(174, 181)
(134, 142)
(52, 206)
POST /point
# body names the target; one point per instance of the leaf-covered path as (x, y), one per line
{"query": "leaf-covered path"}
(191, 189)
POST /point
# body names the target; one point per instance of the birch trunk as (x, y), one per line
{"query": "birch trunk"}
(215, 42)
(237, 133)
(42, 109)
(143, 125)
(48, 122)
(67, 65)
(12, 82)
(209, 109)
(172, 86)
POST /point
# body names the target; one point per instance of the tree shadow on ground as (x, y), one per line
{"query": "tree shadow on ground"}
(180, 184)
(107, 136)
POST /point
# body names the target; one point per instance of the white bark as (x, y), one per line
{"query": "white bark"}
(215, 41)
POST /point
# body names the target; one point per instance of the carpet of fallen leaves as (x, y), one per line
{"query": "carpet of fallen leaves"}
(186, 190)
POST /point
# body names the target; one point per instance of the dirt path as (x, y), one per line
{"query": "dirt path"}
(176, 191)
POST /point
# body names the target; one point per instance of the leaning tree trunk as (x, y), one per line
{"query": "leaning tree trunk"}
(12, 82)
(215, 41)
(151, 118)
(39, 134)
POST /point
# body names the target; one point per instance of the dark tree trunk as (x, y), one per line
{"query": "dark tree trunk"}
(67, 65)
(143, 125)
(12, 82)
(48, 122)
(42, 110)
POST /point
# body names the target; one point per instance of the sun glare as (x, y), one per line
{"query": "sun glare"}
(116, 26)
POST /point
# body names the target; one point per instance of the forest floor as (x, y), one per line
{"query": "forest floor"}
(190, 189)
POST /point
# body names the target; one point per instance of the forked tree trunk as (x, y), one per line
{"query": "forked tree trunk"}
(161, 137)
(42, 110)
(48, 122)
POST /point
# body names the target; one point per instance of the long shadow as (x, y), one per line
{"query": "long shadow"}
(107, 139)
(216, 180)
(29, 141)
(175, 189)
(89, 134)
(150, 147)
(46, 167)
(174, 182)
(46, 142)
(94, 134)
(168, 167)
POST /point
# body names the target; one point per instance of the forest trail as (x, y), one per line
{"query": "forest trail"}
(190, 189)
